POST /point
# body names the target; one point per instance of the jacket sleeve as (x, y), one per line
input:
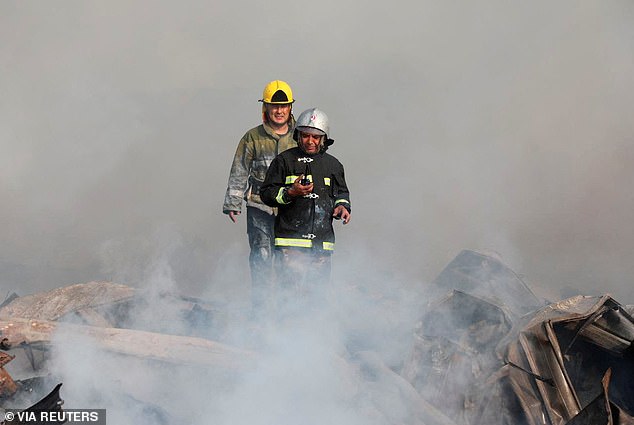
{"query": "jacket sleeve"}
(273, 190)
(341, 192)
(238, 176)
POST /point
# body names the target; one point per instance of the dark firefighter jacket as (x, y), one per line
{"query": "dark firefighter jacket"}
(305, 222)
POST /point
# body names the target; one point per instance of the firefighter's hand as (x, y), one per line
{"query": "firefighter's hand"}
(233, 215)
(342, 213)
(297, 189)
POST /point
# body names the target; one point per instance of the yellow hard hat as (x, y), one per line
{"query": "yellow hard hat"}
(277, 92)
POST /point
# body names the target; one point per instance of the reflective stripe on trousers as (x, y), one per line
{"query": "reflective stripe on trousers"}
(302, 243)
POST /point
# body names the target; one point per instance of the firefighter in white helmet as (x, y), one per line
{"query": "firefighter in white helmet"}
(308, 187)
(255, 151)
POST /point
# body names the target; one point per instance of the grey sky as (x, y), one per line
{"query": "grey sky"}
(483, 125)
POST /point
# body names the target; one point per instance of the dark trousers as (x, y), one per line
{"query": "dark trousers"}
(303, 276)
(261, 240)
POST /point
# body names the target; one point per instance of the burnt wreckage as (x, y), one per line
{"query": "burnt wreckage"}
(101, 313)
(486, 350)
(489, 351)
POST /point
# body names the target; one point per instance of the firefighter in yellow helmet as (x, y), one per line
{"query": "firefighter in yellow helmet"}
(255, 151)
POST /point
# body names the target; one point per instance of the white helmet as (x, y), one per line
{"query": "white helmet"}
(313, 121)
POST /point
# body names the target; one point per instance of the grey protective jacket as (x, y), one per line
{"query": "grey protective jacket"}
(254, 154)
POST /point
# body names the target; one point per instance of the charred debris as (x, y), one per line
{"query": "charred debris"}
(486, 350)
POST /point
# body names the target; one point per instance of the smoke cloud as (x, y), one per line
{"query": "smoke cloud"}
(499, 126)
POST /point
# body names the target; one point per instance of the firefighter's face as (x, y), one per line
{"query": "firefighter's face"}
(278, 114)
(310, 143)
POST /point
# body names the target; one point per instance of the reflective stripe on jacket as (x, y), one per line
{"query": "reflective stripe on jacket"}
(305, 222)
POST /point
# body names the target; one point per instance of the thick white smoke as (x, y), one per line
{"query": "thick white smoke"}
(461, 125)
(326, 363)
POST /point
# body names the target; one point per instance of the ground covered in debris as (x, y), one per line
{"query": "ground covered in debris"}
(478, 347)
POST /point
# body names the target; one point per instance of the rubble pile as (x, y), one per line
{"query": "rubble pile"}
(486, 350)
(101, 312)
(491, 352)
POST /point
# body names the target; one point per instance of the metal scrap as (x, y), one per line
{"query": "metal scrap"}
(490, 352)
(8, 386)
(52, 402)
(486, 350)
